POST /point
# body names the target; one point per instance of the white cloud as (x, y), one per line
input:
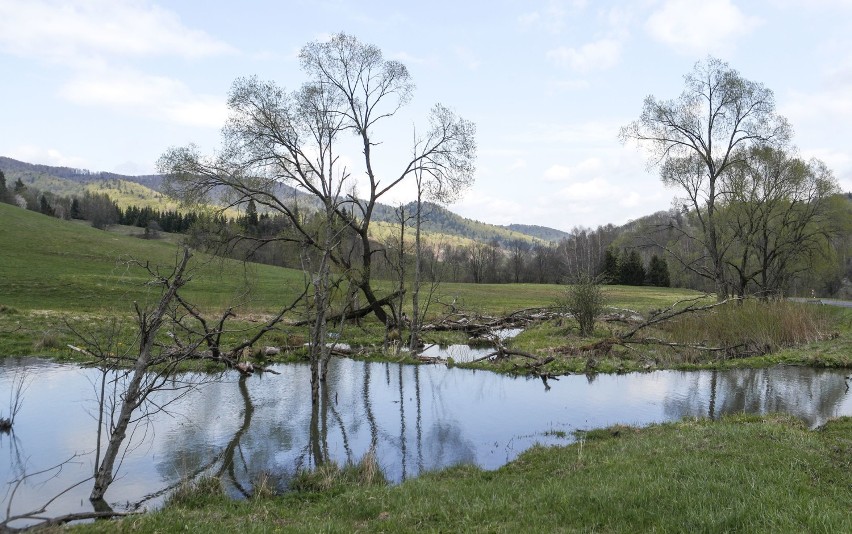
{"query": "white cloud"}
(599, 55)
(825, 105)
(631, 200)
(518, 164)
(407, 58)
(700, 26)
(46, 156)
(595, 189)
(75, 32)
(556, 173)
(814, 4)
(527, 20)
(154, 97)
(591, 167)
(588, 133)
(570, 85)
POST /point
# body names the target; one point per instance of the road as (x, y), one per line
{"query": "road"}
(827, 302)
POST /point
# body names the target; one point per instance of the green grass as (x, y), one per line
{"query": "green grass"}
(53, 272)
(758, 334)
(48, 264)
(505, 298)
(741, 474)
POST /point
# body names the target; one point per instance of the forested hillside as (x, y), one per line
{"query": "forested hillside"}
(647, 251)
(146, 191)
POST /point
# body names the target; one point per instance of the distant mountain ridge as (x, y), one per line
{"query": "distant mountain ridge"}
(542, 232)
(69, 181)
(9, 165)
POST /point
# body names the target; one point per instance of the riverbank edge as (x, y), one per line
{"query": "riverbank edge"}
(45, 339)
(740, 473)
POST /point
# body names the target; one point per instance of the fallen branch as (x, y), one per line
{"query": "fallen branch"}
(62, 519)
(480, 325)
(356, 314)
(672, 312)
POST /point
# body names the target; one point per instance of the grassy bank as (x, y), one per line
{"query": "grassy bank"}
(55, 273)
(741, 474)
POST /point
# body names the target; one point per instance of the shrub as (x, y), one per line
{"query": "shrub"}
(585, 301)
(48, 340)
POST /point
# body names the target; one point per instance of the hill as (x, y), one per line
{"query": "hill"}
(48, 263)
(146, 191)
(14, 169)
(541, 232)
(438, 220)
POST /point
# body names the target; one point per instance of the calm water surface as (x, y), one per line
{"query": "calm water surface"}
(416, 418)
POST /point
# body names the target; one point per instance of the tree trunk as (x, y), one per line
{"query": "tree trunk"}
(414, 340)
(135, 394)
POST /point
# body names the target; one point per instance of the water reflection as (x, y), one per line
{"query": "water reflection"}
(416, 418)
(810, 394)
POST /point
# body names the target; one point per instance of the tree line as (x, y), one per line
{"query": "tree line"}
(98, 208)
(753, 215)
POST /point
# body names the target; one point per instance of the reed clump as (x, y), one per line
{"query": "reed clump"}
(765, 325)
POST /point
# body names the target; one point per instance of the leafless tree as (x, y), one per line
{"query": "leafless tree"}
(21, 380)
(698, 137)
(448, 155)
(276, 137)
(149, 365)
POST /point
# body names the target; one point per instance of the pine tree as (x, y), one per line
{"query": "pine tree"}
(251, 221)
(632, 272)
(658, 272)
(44, 206)
(76, 211)
(4, 191)
(609, 267)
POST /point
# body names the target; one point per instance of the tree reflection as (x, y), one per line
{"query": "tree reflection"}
(810, 394)
(229, 465)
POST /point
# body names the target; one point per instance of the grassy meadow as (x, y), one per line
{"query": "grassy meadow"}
(53, 272)
(740, 474)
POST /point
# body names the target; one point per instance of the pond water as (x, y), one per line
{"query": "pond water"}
(417, 418)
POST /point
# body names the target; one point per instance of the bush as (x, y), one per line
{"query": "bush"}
(585, 301)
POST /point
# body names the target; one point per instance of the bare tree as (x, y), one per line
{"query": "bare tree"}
(447, 166)
(699, 137)
(154, 360)
(21, 380)
(275, 137)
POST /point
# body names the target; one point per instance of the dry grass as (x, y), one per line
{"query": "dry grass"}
(768, 326)
(330, 475)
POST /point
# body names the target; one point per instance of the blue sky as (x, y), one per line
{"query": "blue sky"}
(108, 85)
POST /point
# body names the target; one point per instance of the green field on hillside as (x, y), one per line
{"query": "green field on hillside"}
(49, 264)
(52, 270)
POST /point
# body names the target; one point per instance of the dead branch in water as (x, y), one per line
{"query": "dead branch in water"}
(481, 325)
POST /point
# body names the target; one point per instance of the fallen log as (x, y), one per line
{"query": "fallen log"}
(356, 314)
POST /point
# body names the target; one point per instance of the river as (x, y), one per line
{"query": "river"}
(417, 418)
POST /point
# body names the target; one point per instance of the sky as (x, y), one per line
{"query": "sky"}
(109, 85)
